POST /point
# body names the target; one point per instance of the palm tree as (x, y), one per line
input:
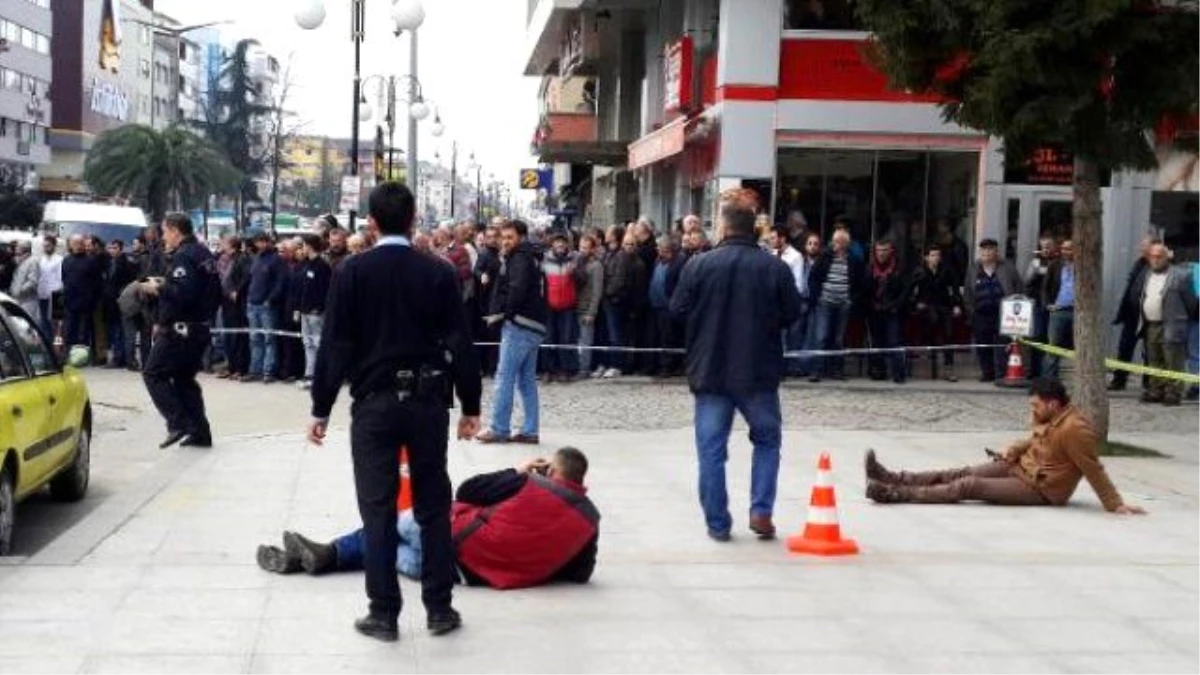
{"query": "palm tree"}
(170, 168)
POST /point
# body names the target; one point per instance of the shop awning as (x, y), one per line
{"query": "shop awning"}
(659, 144)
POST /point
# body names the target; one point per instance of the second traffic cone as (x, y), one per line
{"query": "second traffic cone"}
(404, 500)
(822, 534)
(1014, 376)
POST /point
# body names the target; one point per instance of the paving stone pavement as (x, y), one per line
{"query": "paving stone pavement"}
(161, 577)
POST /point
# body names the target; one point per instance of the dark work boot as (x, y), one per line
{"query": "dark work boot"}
(314, 558)
(877, 471)
(275, 559)
(172, 438)
(884, 493)
(382, 628)
(443, 621)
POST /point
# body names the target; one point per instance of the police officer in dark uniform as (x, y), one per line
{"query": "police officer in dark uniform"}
(394, 330)
(181, 333)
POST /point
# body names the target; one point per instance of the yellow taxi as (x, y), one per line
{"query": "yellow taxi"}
(45, 420)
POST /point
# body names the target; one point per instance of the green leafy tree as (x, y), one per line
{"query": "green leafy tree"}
(172, 168)
(18, 210)
(1092, 76)
(236, 117)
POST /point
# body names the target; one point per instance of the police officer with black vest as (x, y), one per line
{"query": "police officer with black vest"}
(394, 330)
(186, 296)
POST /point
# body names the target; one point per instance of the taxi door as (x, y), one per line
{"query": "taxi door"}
(23, 415)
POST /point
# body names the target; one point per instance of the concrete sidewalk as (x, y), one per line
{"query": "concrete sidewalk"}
(162, 577)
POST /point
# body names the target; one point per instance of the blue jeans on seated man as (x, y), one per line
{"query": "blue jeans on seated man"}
(714, 421)
(351, 548)
(517, 370)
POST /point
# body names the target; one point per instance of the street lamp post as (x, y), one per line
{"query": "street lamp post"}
(407, 15)
(478, 168)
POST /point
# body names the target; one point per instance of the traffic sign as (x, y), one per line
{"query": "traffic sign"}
(351, 190)
(1016, 316)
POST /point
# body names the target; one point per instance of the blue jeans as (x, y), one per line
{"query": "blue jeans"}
(829, 333)
(517, 370)
(1193, 350)
(714, 420)
(563, 327)
(262, 346)
(795, 339)
(1060, 330)
(614, 330)
(351, 547)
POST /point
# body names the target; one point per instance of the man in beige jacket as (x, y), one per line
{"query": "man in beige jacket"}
(1041, 470)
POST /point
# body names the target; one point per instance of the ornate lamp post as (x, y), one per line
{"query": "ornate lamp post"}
(407, 15)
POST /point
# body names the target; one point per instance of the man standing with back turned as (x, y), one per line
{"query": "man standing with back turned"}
(392, 320)
(736, 301)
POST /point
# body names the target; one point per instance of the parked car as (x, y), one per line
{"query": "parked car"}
(45, 420)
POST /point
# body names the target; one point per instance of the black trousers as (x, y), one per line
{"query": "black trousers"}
(237, 345)
(667, 335)
(985, 329)
(380, 425)
(1125, 349)
(170, 376)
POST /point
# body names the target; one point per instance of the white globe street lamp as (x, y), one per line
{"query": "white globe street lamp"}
(438, 128)
(418, 110)
(364, 111)
(310, 14)
(408, 14)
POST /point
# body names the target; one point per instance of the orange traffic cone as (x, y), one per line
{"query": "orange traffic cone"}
(1014, 376)
(404, 500)
(822, 534)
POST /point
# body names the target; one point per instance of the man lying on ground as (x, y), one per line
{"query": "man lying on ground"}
(513, 528)
(1041, 470)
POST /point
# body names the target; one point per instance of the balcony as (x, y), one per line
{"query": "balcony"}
(574, 138)
(546, 33)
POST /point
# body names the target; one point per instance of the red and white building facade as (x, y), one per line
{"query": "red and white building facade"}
(705, 95)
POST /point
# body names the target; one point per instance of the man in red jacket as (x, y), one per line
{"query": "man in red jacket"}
(514, 528)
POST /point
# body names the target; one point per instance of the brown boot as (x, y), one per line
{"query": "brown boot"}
(763, 527)
(877, 471)
(884, 493)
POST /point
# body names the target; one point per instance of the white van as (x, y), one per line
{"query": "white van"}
(65, 219)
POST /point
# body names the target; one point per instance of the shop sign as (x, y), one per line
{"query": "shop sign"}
(835, 70)
(1016, 316)
(109, 101)
(1047, 165)
(677, 63)
(658, 145)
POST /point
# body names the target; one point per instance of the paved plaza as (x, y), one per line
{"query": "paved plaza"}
(155, 571)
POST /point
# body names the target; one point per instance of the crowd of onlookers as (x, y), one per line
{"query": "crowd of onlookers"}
(612, 288)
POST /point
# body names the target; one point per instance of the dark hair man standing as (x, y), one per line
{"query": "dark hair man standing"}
(736, 300)
(187, 297)
(392, 316)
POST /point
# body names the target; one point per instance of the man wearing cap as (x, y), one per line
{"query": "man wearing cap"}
(988, 281)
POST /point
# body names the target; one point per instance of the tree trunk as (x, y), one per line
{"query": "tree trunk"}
(1091, 331)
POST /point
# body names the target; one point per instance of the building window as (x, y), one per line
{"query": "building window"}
(3, 127)
(820, 15)
(899, 195)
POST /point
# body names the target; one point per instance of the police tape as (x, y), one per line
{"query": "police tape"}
(800, 353)
(1114, 364)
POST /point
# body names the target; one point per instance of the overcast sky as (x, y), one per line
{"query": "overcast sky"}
(470, 66)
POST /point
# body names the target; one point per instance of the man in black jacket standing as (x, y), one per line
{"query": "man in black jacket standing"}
(83, 281)
(393, 316)
(887, 290)
(122, 271)
(519, 304)
(1129, 314)
(835, 286)
(736, 300)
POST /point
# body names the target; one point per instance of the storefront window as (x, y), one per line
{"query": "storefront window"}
(1177, 216)
(894, 194)
(819, 15)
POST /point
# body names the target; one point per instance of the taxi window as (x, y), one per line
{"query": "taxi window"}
(12, 362)
(39, 354)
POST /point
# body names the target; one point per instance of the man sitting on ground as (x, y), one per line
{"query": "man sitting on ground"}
(1041, 470)
(513, 528)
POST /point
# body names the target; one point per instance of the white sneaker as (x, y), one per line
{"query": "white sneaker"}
(599, 372)
(611, 373)
(304, 385)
